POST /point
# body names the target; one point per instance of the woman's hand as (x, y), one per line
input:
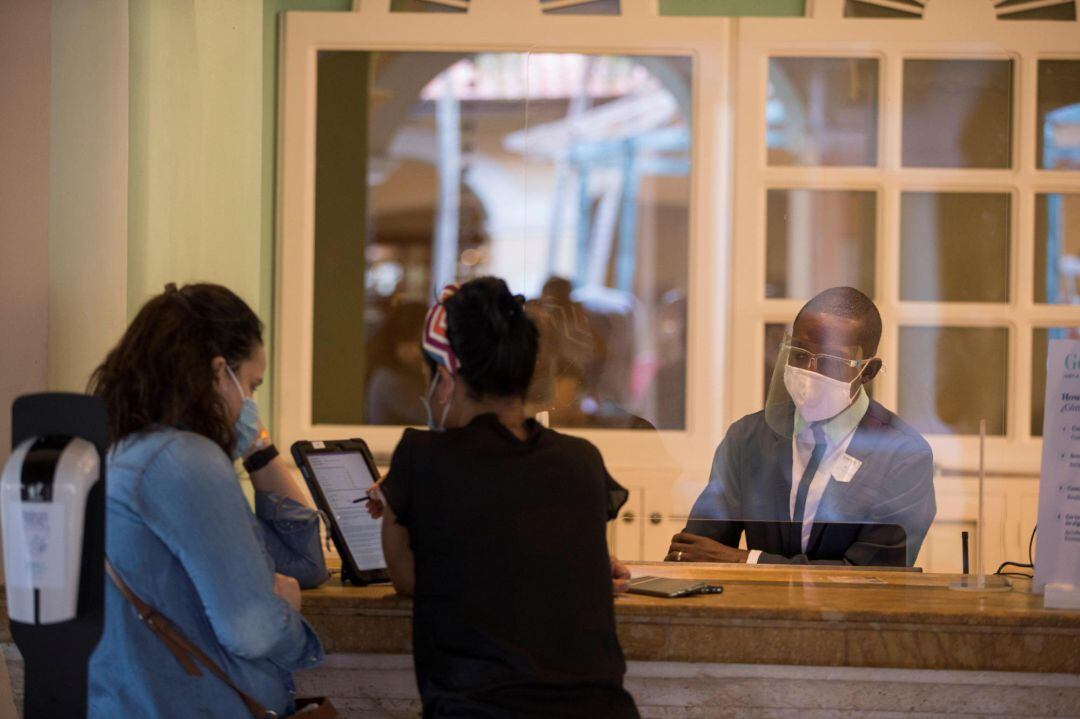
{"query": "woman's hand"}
(375, 504)
(288, 589)
(620, 576)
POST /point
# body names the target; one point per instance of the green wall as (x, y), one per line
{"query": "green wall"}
(734, 8)
(201, 154)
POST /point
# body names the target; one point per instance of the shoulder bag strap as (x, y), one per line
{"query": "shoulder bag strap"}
(185, 651)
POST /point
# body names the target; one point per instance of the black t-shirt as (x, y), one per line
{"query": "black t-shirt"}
(513, 612)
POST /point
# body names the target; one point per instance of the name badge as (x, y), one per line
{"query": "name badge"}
(845, 468)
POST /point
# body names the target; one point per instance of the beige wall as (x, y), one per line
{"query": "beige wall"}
(24, 203)
(24, 219)
(88, 161)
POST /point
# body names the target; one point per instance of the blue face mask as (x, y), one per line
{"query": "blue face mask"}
(247, 426)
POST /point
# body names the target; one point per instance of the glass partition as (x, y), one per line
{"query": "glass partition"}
(565, 174)
(892, 166)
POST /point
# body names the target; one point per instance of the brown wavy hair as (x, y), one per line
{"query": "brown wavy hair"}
(160, 373)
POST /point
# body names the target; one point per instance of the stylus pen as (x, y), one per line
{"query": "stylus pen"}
(362, 499)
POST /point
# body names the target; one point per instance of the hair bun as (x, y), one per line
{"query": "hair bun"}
(493, 337)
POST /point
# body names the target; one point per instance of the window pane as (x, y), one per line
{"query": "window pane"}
(1039, 346)
(1058, 121)
(818, 239)
(951, 377)
(822, 111)
(584, 7)
(957, 113)
(1057, 249)
(954, 247)
(1035, 10)
(438, 167)
(890, 9)
(733, 8)
(425, 6)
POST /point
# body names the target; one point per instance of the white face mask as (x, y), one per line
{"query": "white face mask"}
(818, 397)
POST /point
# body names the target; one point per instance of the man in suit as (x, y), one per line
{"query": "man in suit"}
(824, 474)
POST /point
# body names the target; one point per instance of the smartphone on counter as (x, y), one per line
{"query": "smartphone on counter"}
(671, 588)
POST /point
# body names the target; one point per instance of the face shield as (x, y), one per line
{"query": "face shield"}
(814, 385)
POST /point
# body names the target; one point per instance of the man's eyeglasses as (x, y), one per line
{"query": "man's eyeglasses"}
(826, 364)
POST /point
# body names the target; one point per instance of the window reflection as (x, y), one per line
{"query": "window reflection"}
(822, 111)
(1058, 121)
(951, 377)
(954, 246)
(819, 239)
(1057, 249)
(565, 174)
(957, 113)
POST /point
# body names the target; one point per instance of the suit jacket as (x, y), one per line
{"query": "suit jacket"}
(879, 517)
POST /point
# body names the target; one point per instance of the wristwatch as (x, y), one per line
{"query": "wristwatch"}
(260, 458)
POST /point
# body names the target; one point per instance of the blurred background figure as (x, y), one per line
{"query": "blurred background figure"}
(395, 380)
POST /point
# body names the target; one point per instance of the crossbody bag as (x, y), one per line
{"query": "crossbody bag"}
(191, 656)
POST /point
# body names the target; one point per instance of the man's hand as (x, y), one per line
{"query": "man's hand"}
(686, 547)
(620, 576)
(288, 589)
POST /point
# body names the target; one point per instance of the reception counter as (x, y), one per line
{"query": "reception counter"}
(805, 616)
(779, 641)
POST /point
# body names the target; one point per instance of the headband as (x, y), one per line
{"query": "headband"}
(436, 340)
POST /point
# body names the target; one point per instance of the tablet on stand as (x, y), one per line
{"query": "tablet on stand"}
(339, 474)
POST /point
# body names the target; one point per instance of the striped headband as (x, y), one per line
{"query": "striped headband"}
(435, 340)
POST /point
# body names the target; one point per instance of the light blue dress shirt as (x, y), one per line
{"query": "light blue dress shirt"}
(183, 537)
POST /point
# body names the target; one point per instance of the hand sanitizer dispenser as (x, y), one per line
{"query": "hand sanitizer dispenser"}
(52, 505)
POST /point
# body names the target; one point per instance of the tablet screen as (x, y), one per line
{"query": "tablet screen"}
(344, 478)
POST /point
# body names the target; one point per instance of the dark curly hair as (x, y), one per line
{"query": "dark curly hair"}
(495, 341)
(160, 373)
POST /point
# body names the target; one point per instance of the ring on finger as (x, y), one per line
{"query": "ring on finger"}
(678, 556)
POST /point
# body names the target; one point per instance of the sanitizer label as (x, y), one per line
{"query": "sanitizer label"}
(37, 540)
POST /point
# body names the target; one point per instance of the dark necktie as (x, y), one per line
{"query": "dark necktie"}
(804, 487)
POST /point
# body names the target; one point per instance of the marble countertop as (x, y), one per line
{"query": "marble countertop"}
(780, 615)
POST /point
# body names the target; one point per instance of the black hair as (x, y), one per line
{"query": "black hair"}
(849, 303)
(495, 341)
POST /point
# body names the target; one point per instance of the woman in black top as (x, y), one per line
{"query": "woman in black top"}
(496, 526)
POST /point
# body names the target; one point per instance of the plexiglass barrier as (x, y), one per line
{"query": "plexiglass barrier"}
(570, 176)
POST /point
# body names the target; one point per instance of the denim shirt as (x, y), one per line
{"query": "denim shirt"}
(290, 533)
(182, 536)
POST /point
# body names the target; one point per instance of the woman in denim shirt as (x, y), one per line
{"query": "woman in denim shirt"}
(179, 530)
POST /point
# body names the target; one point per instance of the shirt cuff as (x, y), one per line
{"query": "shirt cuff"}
(753, 557)
(274, 507)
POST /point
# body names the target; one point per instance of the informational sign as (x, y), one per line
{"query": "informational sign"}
(1057, 557)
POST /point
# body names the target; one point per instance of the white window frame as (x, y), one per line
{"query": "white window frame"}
(514, 25)
(950, 29)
